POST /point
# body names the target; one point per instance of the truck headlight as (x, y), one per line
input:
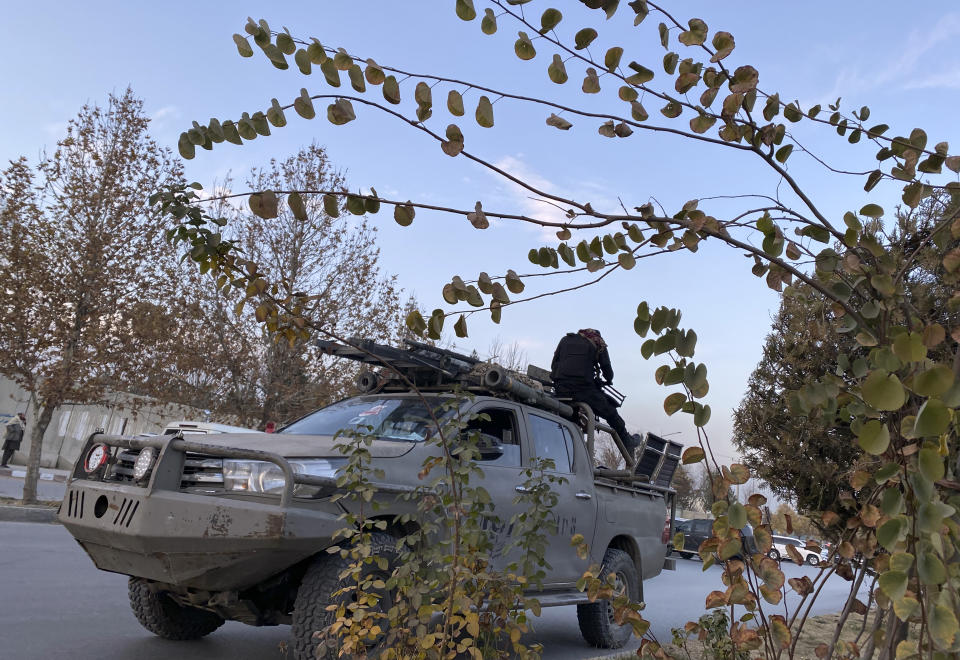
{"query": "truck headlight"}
(262, 477)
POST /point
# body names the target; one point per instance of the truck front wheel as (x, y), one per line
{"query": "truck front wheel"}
(161, 615)
(318, 588)
(596, 619)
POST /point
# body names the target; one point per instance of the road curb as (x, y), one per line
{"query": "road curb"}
(20, 473)
(39, 514)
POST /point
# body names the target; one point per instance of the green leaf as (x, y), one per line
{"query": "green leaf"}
(186, 147)
(627, 260)
(297, 207)
(550, 19)
(692, 455)
(455, 103)
(303, 104)
(724, 44)
(638, 112)
(883, 391)
(930, 516)
(670, 63)
(584, 38)
(484, 113)
(243, 46)
(488, 25)
(466, 12)
(894, 584)
(674, 402)
(874, 437)
(909, 347)
(872, 211)
(745, 79)
(933, 419)
(340, 112)
(737, 515)
(930, 569)
(460, 327)
(696, 35)
(331, 205)
(591, 82)
(391, 90)
(557, 70)
(702, 123)
(934, 381)
(523, 47)
(416, 323)
(701, 415)
(642, 75)
(890, 532)
(264, 204)
(403, 214)
(783, 153)
(929, 460)
(944, 627)
(612, 59)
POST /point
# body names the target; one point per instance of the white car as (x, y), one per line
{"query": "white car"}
(779, 549)
(204, 428)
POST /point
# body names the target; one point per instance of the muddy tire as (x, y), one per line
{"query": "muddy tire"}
(596, 619)
(161, 615)
(316, 592)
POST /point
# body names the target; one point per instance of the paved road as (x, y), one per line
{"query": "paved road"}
(55, 605)
(48, 491)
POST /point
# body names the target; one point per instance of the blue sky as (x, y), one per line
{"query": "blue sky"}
(180, 58)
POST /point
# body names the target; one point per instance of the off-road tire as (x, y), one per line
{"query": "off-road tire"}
(774, 554)
(161, 615)
(596, 619)
(316, 592)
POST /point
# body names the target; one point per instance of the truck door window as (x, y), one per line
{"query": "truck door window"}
(550, 441)
(502, 428)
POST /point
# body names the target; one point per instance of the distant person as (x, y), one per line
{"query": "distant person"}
(13, 438)
(579, 362)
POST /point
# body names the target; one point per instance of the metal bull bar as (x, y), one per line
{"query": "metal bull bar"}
(172, 449)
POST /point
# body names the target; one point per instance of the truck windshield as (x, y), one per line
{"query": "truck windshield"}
(390, 419)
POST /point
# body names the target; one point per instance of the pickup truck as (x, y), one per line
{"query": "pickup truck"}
(236, 526)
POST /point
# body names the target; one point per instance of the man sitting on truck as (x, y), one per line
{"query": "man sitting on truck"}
(579, 358)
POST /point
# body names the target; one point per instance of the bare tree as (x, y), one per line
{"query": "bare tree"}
(80, 250)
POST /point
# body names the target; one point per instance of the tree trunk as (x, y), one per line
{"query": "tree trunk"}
(41, 422)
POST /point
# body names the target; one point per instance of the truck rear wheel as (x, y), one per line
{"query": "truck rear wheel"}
(316, 592)
(596, 619)
(161, 615)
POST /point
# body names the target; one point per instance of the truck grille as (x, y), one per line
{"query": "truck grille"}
(198, 470)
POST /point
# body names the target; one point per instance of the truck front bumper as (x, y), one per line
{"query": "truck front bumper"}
(205, 542)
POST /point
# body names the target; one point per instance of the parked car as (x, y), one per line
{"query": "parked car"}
(779, 549)
(203, 428)
(695, 532)
(698, 530)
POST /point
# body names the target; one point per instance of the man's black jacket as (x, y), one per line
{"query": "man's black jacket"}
(575, 362)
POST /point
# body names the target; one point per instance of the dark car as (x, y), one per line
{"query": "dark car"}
(698, 530)
(695, 532)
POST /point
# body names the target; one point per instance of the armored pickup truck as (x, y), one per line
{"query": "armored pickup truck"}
(237, 526)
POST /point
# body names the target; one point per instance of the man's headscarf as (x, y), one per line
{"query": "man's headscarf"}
(593, 336)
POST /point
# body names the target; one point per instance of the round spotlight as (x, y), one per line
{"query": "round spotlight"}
(96, 458)
(144, 462)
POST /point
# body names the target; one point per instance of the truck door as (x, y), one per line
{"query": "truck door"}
(502, 473)
(576, 508)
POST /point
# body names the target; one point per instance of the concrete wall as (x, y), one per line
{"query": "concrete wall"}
(71, 424)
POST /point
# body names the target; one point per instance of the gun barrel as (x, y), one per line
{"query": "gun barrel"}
(497, 379)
